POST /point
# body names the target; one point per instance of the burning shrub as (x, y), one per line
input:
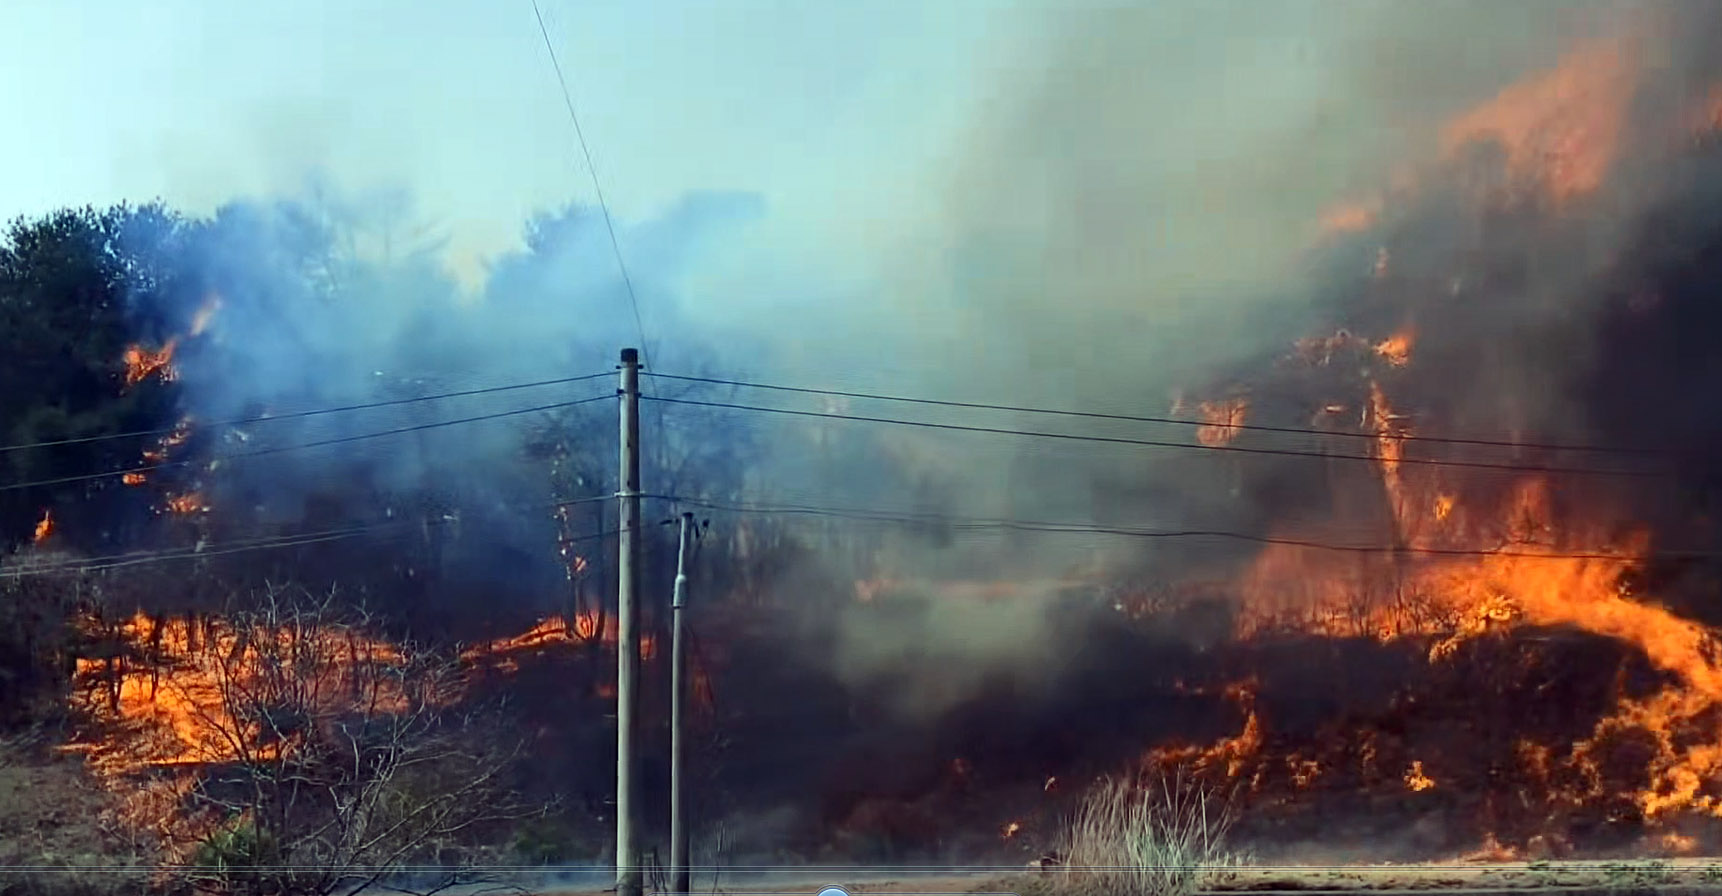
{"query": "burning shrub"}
(288, 751)
(1161, 837)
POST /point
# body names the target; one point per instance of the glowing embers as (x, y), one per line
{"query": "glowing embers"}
(158, 454)
(44, 527)
(186, 504)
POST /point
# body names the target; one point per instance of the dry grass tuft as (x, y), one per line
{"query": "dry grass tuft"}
(1162, 837)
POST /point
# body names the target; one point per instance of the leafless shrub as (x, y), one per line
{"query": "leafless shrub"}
(1163, 837)
(326, 761)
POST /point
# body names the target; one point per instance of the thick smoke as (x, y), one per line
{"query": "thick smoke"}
(1133, 207)
(1134, 210)
(325, 300)
(1137, 209)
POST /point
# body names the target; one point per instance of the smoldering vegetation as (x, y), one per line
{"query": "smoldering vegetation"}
(1134, 227)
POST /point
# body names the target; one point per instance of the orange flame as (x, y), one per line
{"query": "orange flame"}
(44, 527)
(1228, 755)
(1415, 780)
(165, 445)
(556, 630)
(1220, 421)
(188, 503)
(142, 363)
(1396, 349)
(178, 701)
(1561, 128)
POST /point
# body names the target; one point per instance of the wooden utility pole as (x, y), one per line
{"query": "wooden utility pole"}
(680, 873)
(628, 877)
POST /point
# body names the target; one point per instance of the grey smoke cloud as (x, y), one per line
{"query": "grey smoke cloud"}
(1129, 206)
(1136, 208)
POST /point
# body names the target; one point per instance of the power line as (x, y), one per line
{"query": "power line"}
(1097, 415)
(86, 477)
(195, 555)
(265, 418)
(1151, 443)
(983, 523)
(238, 546)
(603, 206)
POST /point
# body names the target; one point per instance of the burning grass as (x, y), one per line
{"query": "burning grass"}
(288, 726)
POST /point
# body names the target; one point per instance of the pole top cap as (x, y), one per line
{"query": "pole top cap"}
(630, 356)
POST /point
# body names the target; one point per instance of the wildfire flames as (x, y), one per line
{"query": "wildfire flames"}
(1463, 576)
(1415, 779)
(1560, 129)
(1221, 420)
(188, 503)
(142, 363)
(171, 683)
(1478, 559)
(1543, 575)
(1396, 349)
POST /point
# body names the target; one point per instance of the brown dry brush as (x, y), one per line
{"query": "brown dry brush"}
(331, 761)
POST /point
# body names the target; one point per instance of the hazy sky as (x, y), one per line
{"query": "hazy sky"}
(1025, 175)
(814, 105)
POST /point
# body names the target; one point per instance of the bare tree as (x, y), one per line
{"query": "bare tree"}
(327, 761)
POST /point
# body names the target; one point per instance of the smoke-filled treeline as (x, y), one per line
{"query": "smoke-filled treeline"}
(138, 334)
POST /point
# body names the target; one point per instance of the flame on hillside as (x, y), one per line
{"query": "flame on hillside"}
(1560, 129)
(142, 363)
(1544, 572)
(1463, 556)
(175, 685)
(1220, 420)
(165, 445)
(587, 628)
(185, 504)
(1396, 349)
(159, 454)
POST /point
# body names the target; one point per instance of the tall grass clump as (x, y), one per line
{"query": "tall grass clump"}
(1164, 836)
